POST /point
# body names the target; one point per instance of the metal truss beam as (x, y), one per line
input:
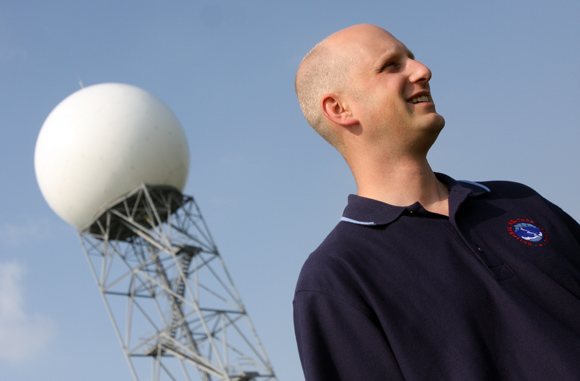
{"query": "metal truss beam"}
(168, 292)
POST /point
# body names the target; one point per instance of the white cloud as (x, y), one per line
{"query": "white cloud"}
(22, 335)
(14, 235)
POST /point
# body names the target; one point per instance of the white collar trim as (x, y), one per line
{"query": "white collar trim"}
(346, 219)
(476, 184)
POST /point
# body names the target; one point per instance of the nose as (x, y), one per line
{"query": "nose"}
(418, 72)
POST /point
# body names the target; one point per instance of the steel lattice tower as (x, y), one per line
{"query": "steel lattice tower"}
(168, 292)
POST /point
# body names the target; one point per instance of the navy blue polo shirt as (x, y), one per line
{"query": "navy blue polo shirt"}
(491, 292)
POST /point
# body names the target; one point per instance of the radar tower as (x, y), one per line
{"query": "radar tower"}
(112, 160)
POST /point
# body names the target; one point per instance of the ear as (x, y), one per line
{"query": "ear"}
(338, 111)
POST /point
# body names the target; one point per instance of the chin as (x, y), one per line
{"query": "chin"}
(437, 123)
(440, 121)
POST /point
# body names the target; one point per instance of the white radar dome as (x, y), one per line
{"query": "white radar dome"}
(102, 142)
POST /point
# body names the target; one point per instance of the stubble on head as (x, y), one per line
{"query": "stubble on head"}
(325, 69)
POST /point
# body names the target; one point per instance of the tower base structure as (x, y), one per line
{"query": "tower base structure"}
(168, 293)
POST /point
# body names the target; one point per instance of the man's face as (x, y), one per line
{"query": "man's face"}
(391, 89)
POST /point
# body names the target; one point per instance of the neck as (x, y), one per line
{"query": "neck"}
(402, 183)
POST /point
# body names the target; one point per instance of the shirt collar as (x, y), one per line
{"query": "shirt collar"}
(366, 211)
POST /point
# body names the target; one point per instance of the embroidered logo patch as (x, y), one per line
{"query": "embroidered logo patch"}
(528, 232)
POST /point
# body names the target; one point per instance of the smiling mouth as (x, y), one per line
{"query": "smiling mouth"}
(421, 99)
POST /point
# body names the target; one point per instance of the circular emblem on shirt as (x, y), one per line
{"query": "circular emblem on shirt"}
(528, 232)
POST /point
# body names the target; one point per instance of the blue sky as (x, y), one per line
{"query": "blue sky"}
(505, 77)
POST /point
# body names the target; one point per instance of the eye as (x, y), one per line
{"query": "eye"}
(390, 65)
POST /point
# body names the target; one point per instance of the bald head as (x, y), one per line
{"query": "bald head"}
(326, 69)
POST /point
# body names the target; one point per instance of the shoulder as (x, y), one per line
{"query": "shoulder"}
(329, 261)
(517, 197)
(507, 196)
(493, 189)
(510, 192)
(503, 187)
(332, 269)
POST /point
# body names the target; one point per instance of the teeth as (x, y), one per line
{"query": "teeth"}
(422, 98)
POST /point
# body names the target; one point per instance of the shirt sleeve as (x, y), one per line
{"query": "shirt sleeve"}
(338, 341)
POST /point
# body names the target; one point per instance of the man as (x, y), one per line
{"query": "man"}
(425, 277)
